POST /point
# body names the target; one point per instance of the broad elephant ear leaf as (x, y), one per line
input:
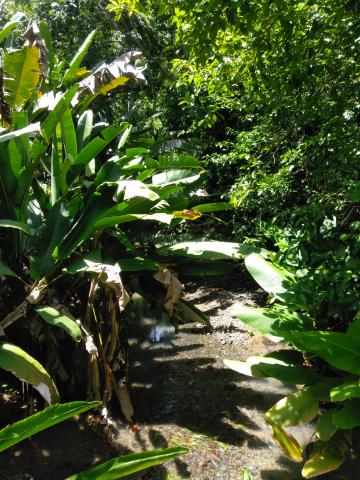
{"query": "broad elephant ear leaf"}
(338, 349)
(268, 366)
(27, 369)
(296, 409)
(18, 431)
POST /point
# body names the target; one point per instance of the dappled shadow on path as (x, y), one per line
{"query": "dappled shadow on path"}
(183, 394)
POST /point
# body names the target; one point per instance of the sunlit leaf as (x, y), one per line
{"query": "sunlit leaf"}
(277, 320)
(348, 389)
(210, 250)
(27, 369)
(10, 25)
(55, 318)
(325, 427)
(122, 466)
(327, 457)
(22, 69)
(272, 279)
(17, 432)
(287, 443)
(28, 130)
(71, 72)
(187, 214)
(212, 207)
(296, 409)
(267, 366)
(338, 349)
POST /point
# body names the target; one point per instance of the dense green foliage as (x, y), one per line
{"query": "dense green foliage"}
(80, 208)
(267, 95)
(330, 375)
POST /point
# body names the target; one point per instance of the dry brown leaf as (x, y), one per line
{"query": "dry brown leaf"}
(172, 284)
(124, 399)
(111, 277)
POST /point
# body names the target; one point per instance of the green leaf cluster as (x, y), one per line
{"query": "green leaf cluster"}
(330, 376)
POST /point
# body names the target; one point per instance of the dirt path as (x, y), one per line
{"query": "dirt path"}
(183, 394)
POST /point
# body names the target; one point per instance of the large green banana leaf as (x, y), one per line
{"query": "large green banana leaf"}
(75, 63)
(210, 250)
(121, 467)
(22, 74)
(10, 25)
(17, 432)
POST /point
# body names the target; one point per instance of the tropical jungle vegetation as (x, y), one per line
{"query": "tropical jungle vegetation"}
(181, 138)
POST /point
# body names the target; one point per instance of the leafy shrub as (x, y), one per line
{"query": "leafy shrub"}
(324, 357)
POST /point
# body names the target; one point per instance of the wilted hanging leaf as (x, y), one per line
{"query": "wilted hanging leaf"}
(173, 286)
(33, 39)
(124, 399)
(108, 77)
(287, 443)
(110, 276)
(192, 313)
